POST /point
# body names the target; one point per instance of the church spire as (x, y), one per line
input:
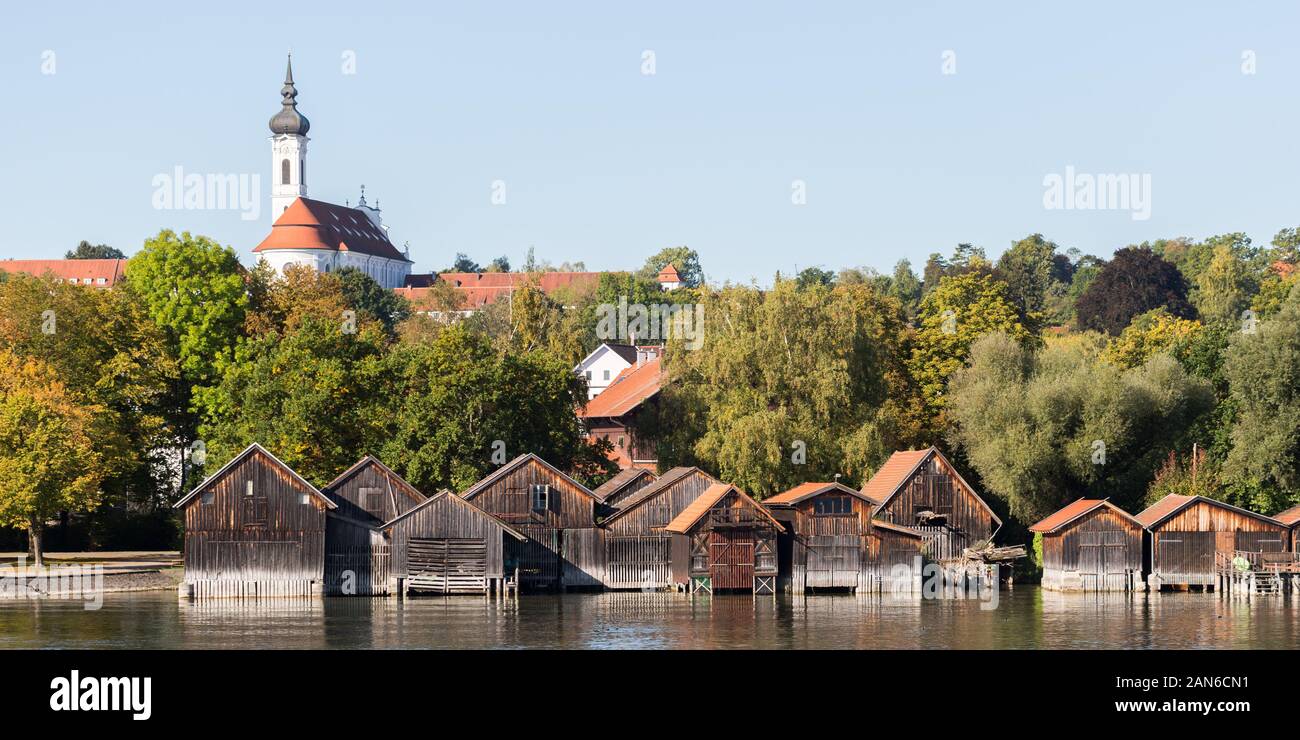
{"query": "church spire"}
(289, 120)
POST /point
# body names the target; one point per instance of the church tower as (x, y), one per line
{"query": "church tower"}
(288, 149)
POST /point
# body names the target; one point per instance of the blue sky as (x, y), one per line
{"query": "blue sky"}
(607, 165)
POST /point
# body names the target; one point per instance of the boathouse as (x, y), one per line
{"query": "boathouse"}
(1190, 540)
(921, 490)
(832, 543)
(254, 528)
(447, 545)
(627, 482)
(727, 543)
(357, 557)
(1091, 545)
(564, 548)
(1290, 518)
(638, 546)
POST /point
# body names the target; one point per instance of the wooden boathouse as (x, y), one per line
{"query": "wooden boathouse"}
(728, 542)
(1290, 518)
(832, 543)
(357, 557)
(254, 528)
(1192, 539)
(557, 515)
(921, 490)
(447, 545)
(1091, 545)
(638, 545)
(627, 482)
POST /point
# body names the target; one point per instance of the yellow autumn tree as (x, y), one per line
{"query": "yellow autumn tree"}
(48, 457)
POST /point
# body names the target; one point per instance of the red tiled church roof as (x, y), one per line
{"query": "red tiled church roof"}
(315, 224)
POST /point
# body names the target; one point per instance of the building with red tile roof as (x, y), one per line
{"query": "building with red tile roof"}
(93, 273)
(612, 414)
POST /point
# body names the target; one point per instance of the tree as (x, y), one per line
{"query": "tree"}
(1027, 268)
(364, 295)
(789, 385)
(1134, 282)
(500, 264)
(309, 395)
(905, 286)
(449, 405)
(1263, 373)
(685, 259)
(463, 264)
(49, 452)
(193, 288)
(1153, 332)
(955, 314)
(814, 276)
(1223, 288)
(87, 251)
(1044, 427)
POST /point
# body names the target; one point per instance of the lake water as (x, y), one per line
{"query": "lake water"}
(1026, 617)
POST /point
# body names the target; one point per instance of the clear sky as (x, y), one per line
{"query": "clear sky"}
(605, 164)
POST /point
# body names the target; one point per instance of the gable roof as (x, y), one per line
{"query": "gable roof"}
(666, 481)
(255, 447)
(621, 480)
(626, 352)
(315, 224)
(80, 272)
(1289, 516)
(630, 389)
(444, 493)
(669, 274)
(804, 491)
(1160, 512)
(900, 467)
(403, 485)
(700, 506)
(1073, 511)
(502, 471)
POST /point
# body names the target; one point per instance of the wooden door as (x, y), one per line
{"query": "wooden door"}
(833, 561)
(447, 565)
(731, 559)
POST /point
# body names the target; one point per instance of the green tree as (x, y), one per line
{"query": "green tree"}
(957, 312)
(789, 385)
(685, 259)
(87, 251)
(1027, 268)
(1223, 288)
(308, 395)
(1263, 374)
(364, 295)
(1043, 427)
(49, 453)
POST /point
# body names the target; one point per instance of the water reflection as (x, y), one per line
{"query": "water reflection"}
(1024, 618)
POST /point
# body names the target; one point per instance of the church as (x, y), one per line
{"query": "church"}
(324, 236)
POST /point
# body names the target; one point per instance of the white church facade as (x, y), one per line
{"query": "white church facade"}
(324, 236)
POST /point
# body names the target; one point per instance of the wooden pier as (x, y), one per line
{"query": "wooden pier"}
(1246, 573)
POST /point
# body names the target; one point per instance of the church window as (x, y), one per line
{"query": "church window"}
(284, 172)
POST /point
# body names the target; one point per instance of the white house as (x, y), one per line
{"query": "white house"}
(603, 365)
(323, 236)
